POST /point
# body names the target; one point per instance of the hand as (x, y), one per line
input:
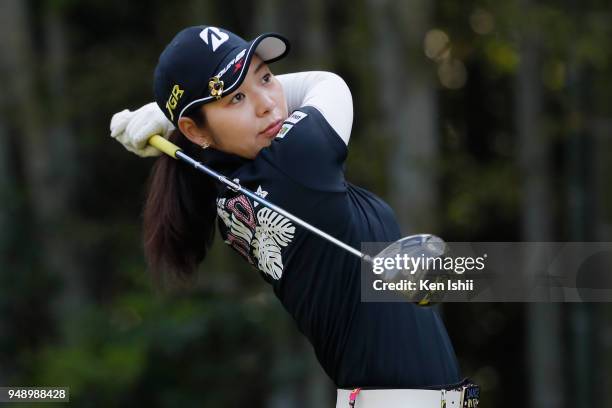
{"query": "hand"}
(133, 129)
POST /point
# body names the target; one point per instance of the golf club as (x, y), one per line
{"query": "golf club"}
(413, 245)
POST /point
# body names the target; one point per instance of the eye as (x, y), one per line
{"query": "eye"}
(237, 98)
(267, 78)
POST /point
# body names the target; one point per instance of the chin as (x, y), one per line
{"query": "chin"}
(256, 151)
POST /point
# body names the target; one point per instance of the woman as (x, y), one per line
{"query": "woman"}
(286, 138)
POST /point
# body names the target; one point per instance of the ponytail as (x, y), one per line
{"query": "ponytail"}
(179, 214)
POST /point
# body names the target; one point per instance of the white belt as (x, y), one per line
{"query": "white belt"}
(403, 398)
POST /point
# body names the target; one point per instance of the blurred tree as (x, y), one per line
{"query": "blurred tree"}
(37, 239)
(8, 226)
(45, 142)
(544, 321)
(407, 109)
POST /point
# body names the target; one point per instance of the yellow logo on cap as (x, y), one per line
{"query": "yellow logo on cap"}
(175, 95)
(215, 86)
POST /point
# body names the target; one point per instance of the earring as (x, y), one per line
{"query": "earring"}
(205, 145)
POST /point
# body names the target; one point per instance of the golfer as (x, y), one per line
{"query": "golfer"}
(286, 138)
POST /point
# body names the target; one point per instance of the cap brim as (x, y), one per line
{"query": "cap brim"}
(271, 47)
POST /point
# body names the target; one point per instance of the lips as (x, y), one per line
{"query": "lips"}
(273, 129)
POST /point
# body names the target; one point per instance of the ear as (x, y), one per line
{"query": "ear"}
(194, 133)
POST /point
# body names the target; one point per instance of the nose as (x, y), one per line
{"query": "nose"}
(265, 103)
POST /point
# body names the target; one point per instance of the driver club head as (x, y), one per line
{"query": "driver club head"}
(410, 256)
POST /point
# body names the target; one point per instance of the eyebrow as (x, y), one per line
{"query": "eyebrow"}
(261, 64)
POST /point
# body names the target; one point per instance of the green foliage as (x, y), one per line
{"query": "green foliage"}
(183, 345)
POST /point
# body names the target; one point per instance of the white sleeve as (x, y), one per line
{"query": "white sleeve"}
(326, 92)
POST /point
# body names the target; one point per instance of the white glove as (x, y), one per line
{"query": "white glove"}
(133, 129)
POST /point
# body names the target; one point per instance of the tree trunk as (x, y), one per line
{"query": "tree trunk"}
(409, 110)
(544, 328)
(7, 226)
(583, 317)
(601, 129)
(45, 143)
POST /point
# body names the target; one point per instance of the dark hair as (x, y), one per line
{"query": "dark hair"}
(179, 213)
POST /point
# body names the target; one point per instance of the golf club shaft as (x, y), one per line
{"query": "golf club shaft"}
(174, 151)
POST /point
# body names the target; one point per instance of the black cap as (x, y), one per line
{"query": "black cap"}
(201, 64)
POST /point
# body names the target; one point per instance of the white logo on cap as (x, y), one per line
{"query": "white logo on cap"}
(233, 61)
(215, 36)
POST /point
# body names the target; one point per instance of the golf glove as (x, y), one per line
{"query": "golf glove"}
(133, 129)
